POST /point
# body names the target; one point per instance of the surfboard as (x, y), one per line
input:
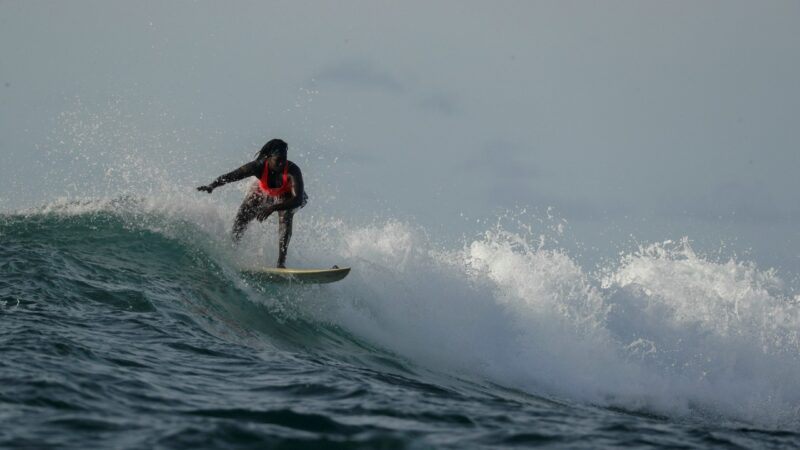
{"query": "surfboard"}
(305, 276)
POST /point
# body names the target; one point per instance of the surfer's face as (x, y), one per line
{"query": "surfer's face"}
(277, 161)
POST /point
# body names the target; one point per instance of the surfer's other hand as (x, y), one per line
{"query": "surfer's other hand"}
(208, 188)
(263, 214)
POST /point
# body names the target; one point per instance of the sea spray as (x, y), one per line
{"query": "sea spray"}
(664, 330)
(723, 335)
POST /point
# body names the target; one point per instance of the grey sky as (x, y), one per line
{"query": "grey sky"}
(601, 109)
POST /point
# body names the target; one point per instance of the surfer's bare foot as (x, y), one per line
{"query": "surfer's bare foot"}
(281, 266)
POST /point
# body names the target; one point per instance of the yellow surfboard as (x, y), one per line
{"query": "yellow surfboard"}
(305, 276)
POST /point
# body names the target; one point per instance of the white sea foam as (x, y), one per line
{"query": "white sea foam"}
(664, 330)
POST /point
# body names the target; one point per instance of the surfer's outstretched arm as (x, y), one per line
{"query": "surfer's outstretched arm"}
(250, 169)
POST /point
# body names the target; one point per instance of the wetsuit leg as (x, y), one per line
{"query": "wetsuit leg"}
(285, 231)
(247, 212)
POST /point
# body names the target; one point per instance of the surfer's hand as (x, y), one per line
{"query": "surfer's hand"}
(208, 188)
(263, 214)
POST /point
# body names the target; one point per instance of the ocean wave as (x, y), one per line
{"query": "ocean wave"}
(662, 330)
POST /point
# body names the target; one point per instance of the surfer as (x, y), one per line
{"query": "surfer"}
(279, 189)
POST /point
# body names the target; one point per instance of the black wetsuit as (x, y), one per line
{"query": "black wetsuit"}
(257, 200)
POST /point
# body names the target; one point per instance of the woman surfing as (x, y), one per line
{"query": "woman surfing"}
(279, 189)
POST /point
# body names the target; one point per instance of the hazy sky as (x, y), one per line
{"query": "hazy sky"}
(671, 110)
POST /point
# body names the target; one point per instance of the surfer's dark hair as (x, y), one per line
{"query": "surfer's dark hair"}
(272, 147)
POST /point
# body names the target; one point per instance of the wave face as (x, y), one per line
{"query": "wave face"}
(126, 323)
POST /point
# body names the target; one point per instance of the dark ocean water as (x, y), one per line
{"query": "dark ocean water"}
(124, 330)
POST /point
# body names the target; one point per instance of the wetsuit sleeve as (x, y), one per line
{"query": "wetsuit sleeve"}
(251, 169)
